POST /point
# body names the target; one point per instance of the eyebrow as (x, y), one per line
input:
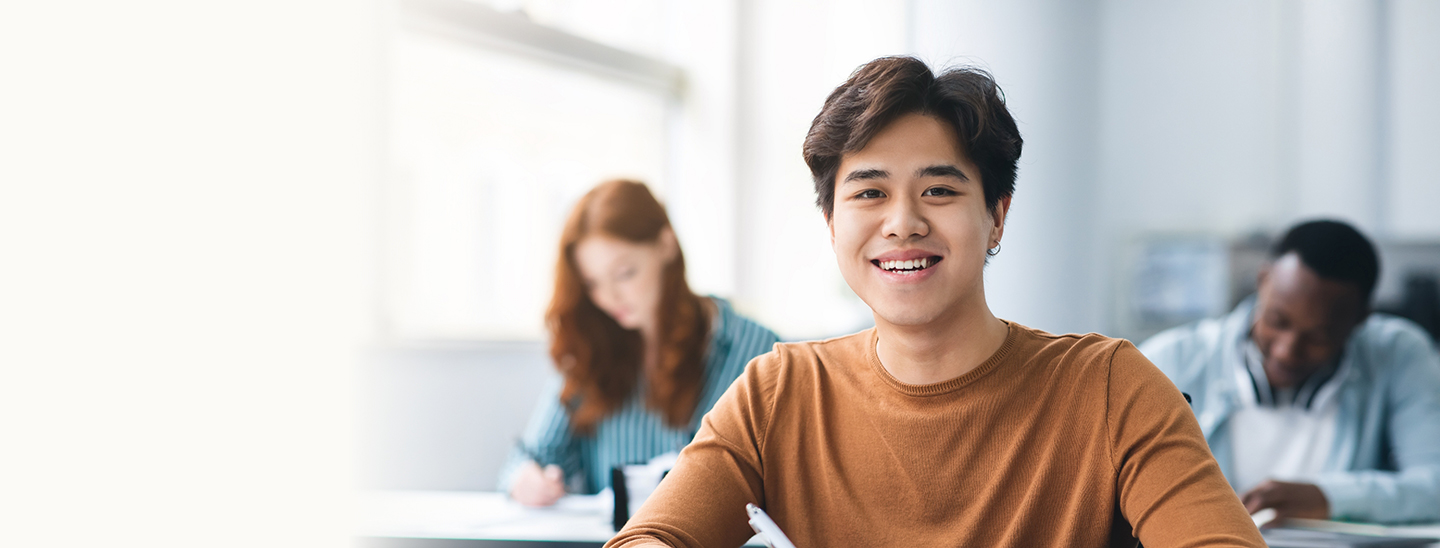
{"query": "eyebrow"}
(863, 174)
(944, 170)
(940, 170)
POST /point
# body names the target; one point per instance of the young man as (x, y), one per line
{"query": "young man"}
(1312, 405)
(943, 425)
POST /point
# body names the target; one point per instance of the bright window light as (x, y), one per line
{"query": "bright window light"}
(488, 150)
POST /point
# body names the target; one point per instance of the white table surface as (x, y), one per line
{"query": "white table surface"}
(586, 518)
(485, 516)
(1411, 531)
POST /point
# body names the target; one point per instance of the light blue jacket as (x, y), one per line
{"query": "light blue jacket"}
(1385, 466)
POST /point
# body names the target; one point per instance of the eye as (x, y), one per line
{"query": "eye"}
(939, 191)
(1277, 321)
(870, 193)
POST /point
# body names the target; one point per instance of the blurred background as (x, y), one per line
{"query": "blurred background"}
(256, 254)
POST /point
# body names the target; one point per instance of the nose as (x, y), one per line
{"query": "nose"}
(1283, 349)
(604, 295)
(904, 220)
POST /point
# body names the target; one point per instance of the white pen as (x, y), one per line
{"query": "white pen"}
(766, 528)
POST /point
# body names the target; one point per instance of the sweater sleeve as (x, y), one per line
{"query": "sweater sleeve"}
(701, 502)
(1170, 489)
(1412, 418)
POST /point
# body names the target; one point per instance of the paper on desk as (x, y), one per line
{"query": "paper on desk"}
(599, 503)
(1263, 517)
(456, 514)
(431, 513)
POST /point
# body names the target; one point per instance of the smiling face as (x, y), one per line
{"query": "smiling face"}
(910, 227)
(1302, 320)
(624, 278)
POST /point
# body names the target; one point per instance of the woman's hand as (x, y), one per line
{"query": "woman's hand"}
(538, 487)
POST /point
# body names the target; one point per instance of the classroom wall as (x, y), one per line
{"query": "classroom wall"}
(1414, 126)
(446, 416)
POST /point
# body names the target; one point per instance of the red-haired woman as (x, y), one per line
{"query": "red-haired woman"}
(641, 356)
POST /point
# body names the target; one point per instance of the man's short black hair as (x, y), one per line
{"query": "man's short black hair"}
(1334, 251)
(883, 90)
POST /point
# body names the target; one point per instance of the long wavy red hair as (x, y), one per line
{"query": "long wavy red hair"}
(600, 360)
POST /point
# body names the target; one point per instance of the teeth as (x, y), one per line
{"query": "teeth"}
(910, 265)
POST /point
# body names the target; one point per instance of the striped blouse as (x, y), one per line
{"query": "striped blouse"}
(634, 434)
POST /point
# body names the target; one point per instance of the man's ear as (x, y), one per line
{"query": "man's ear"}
(1365, 311)
(830, 226)
(998, 215)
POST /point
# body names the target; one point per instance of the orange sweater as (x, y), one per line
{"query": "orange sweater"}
(1056, 440)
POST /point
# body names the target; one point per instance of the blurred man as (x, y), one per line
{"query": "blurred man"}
(1312, 405)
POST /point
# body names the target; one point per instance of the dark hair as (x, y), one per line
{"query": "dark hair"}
(599, 359)
(887, 88)
(1335, 251)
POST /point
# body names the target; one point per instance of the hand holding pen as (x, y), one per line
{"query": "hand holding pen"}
(536, 486)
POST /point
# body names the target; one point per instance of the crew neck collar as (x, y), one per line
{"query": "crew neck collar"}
(943, 387)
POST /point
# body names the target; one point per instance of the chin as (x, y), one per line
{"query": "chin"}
(902, 315)
(1283, 379)
(625, 322)
(1291, 380)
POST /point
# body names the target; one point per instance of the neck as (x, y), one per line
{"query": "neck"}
(942, 349)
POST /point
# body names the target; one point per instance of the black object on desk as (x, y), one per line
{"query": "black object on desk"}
(622, 498)
(625, 500)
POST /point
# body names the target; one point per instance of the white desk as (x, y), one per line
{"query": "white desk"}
(485, 516)
(1411, 531)
(479, 515)
(492, 519)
